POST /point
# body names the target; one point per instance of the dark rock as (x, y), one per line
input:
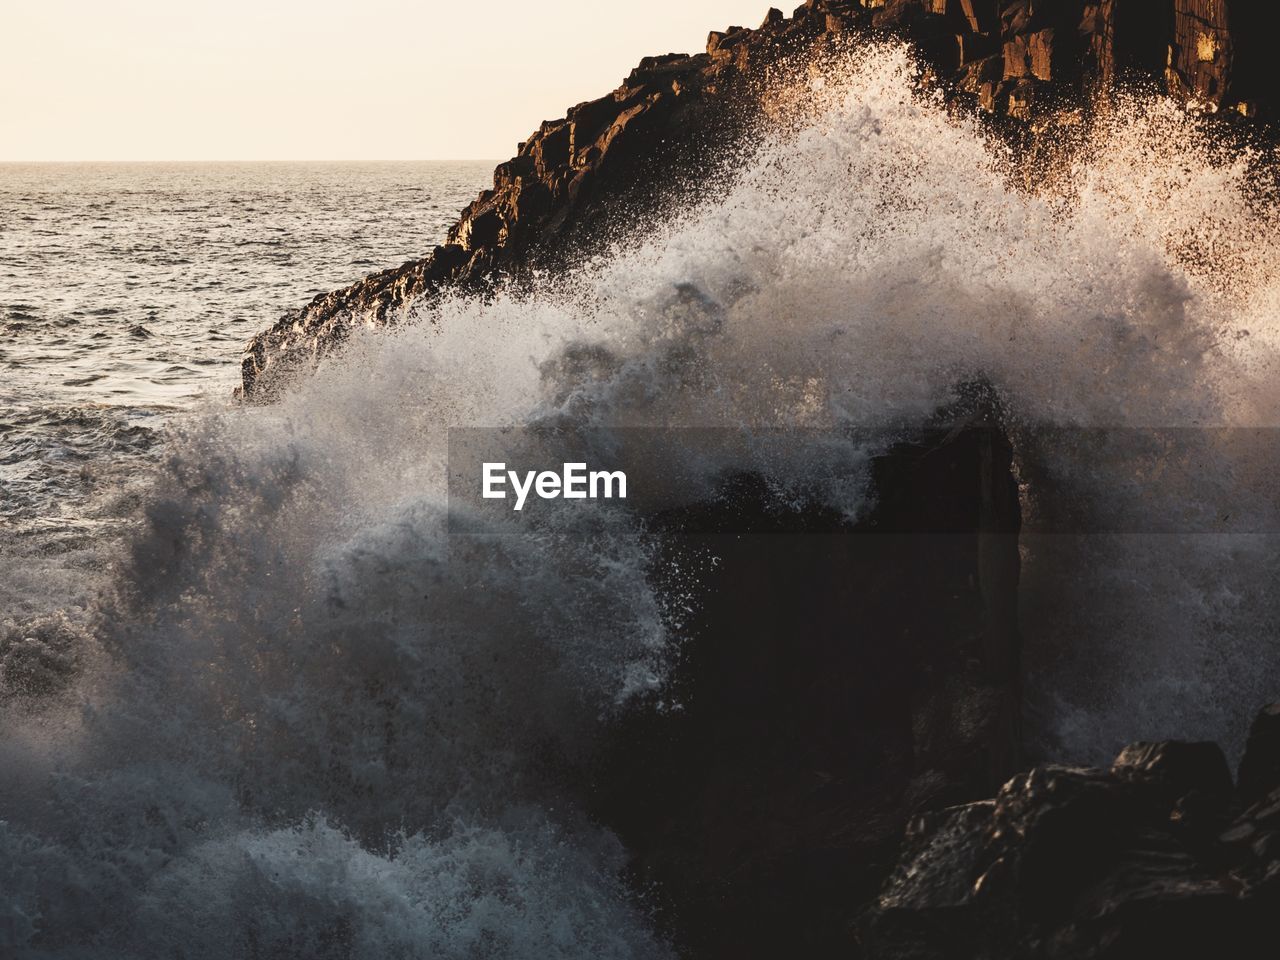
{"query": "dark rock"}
(1019, 98)
(982, 16)
(981, 79)
(662, 69)
(480, 231)
(974, 47)
(1077, 863)
(1176, 768)
(782, 786)
(1202, 50)
(1130, 38)
(928, 907)
(720, 45)
(1259, 773)
(550, 149)
(508, 175)
(1220, 51)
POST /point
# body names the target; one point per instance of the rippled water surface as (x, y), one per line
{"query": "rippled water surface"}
(127, 291)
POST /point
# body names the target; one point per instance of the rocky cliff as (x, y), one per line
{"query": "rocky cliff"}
(673, 115)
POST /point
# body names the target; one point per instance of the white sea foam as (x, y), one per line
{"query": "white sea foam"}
(314, 724)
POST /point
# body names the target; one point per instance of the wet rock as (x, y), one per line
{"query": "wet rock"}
(1219, 53)
(1079, 863)
(982, 79)
(1019, 98)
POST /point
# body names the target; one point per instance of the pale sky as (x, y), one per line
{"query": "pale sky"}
(320, 79)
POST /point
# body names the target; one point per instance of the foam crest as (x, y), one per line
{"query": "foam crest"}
(322, 725)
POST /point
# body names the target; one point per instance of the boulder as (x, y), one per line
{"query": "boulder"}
(1141, 860)
(1175, 769)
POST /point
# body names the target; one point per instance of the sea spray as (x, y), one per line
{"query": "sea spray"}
(320, 725)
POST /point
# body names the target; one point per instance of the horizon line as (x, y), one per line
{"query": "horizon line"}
(263, 160)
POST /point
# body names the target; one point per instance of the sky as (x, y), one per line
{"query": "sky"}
(320, 79)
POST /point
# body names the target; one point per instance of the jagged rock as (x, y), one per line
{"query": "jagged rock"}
(982, 78)
(1202, 50)
(982, 16)
(1019, 98)
(974, 47)
(1219, 53)
(1137, 861)
(1128, 38)
(1175, 769)
(480, 231)
(573, 177)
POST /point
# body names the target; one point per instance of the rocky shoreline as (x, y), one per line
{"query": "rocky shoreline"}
(1023, 62)
(840, 802)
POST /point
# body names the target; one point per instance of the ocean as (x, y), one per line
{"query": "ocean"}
(257, 701)
(128, 289)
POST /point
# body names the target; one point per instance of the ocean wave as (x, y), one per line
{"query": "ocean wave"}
(320, 725)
